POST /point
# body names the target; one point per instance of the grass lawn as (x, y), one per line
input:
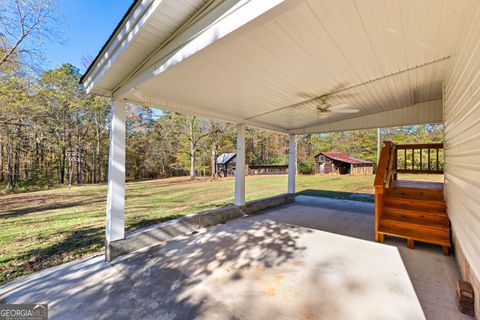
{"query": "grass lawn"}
(45, 228)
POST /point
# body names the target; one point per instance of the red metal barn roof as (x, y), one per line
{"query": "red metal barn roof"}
(342, 156)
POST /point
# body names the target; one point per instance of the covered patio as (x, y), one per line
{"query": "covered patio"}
(276, 65)
(313, 259)
(283, 66)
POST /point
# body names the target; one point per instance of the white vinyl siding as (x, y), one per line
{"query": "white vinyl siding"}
(462, 141)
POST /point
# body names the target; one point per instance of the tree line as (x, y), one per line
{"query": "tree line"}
(52, 132)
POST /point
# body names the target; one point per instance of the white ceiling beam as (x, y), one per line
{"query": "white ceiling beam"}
(419, 113)
(199, 112)
(214, 26)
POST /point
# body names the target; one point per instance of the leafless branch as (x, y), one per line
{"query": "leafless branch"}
(23, 27)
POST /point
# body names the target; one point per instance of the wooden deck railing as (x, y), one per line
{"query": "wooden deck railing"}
(419, 158)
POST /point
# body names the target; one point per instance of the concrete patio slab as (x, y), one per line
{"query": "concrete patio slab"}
(313, 259)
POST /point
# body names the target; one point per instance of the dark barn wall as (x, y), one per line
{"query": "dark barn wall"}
(227, 169)
(327, 168)
(339, 167)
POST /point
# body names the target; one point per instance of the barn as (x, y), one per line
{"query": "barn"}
(226, 167)
(267, 169)
(226, 164)
(335, 162)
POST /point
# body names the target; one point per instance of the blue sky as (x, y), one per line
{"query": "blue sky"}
(88, 25)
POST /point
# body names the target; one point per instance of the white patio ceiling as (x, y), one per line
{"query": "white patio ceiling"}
(231, 62)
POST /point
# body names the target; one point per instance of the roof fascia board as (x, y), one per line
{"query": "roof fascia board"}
(227, 17)
(112, 35)
(419, 113)
(120, 41)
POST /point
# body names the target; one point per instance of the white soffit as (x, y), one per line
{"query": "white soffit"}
(376, 55)
(149, 25)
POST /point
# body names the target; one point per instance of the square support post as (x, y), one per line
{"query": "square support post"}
(240, 166)
(292, 163)
(115, 227)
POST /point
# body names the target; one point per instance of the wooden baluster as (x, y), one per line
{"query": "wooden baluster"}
(405, 158)
(421, 166)
(437, 160)
(428, 159)
(395, 165)
(413, 159)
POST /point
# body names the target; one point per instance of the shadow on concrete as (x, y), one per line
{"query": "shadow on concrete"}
(159, 281)
(74, 244)
(260, 267)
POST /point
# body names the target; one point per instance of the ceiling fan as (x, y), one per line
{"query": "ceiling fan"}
(325, 109)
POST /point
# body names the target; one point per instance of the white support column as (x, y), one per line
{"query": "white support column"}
(240, 166)
(292, 163)
(379, 146)
(115, 228)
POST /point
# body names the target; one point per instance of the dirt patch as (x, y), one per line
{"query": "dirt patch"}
(19, 200)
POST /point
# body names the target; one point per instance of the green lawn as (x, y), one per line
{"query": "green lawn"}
(46, 228)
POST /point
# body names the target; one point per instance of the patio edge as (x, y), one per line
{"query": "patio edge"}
(163, 231)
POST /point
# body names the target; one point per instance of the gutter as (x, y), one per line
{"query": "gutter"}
(112, 35)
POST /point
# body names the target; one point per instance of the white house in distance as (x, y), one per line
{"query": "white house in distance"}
(306, 66)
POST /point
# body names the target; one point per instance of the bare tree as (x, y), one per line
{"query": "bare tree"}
(193, 131)
(24, 25)
(216, 131)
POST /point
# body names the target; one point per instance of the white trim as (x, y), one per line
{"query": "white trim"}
(120, 41)
(115, 226)
(217, 24)
(292, 162)
(240, 166)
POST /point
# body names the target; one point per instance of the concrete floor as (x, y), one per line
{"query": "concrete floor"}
(314, 259)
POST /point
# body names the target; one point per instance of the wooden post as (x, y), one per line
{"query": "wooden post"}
(445, 250)
(378, 211)
(411, 244)
(379, 184)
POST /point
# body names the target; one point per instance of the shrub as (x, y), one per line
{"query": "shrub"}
(306, 167)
